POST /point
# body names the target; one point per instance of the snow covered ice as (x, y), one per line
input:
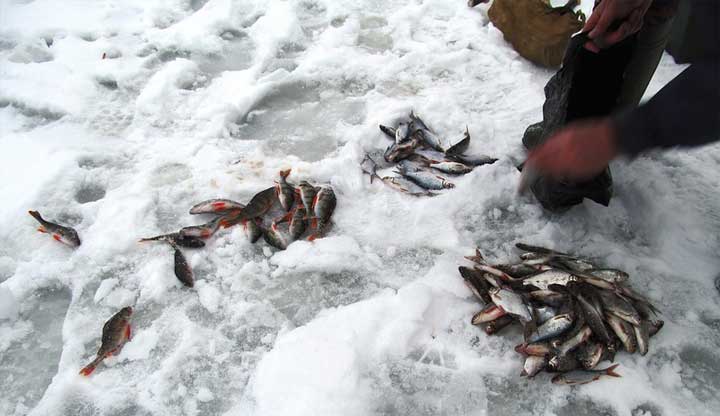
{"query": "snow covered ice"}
(197, 99)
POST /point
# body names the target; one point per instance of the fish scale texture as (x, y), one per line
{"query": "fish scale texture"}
(211, 99)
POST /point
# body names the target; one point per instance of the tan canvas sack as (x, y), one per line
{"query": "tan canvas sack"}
(536, 31)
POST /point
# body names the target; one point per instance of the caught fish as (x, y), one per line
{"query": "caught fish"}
(431, 140)
(563, 363)
(298, 223)
(548, 297)
(216, 206)
(116, 332)
(397, 152)
(594, 318)
(65, 235)
(273, 237)
(180, 240)
(285, 191)
(576, 339)
(533, 365)
(543, 280)
(389, 131)
(425, 179)
(476, 283)
(325, 203)
(543, 313)
(203, 230)
(460, 147)
(624, 332)
(493, 327)
(511, 303)
(518, 270)
(585, 376)
(253, 230)
(540, 250)
(402, 132)
(590, 354)
(539, 349)
(454, 168)
(610, 275)
(307, 196)
(259, 204)
(490, 313)
(183, 272)
(406, 186)
(619, 307)
(473, 160)
(642, 336)
(551, 328)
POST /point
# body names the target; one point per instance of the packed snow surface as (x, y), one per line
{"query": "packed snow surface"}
(197, 99)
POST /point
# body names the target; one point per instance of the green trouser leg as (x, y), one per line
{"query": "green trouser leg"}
(651, 41)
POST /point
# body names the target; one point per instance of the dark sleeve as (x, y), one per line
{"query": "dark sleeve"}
(686, 112)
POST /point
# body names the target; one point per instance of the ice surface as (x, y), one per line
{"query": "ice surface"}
(211, 98)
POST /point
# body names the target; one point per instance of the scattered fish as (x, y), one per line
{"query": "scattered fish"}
(285, 191)
(324, 203)
(202, 231)
(425, 179)
(273, 237)
(454, 168)
(585, 376)
(460, 147)
(115, 333)
(177, 238)
(182, 269)
(216, 206)
(65, 235)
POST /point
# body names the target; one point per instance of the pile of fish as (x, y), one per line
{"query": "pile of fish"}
(305, 207)
(421, 158)
(573, 313)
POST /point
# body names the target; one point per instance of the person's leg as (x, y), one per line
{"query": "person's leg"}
(650, 43)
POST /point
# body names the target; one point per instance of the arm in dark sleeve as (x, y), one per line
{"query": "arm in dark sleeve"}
(686, 112)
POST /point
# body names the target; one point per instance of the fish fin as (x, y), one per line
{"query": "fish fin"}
(36, 215)
(314, 222)
(42, 229)
(610, 371)
(523, 373)
(86, 371)
(57, 237)
(218, 205)
(285, 173)
(312, 237)
(128, 332)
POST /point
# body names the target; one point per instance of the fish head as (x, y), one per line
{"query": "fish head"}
(126, 312)
(68, 236)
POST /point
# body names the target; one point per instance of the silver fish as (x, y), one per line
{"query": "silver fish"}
(543, 313)
(406, 186)
(619, 306)
(455, 168)
(389, 131)
(402, 132)
(590, 354)
(538, 348)
(581, 336)
(642, 336)
(585, 376)
(551, 328)
(624, 332)
(610, 275)
(551, 277)
(473, 160)
(182, 241)
(533, 365)
(493, 327)
(511, 302)
(425, 179)
(215, 206)
(60, 233)
(594, 318)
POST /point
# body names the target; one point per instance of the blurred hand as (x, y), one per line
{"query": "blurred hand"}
(579, 151)
(627, 15)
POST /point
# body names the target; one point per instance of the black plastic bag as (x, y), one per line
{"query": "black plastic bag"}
(587, 85)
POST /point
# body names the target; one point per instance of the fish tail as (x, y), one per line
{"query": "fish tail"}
(610, 371)
(37, 216)
(313, 237)
(88, 369)
(285, 173)
(521, 348)
(42, 229)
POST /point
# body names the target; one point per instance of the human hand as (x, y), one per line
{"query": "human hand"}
(579, 151)
(628, 14)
